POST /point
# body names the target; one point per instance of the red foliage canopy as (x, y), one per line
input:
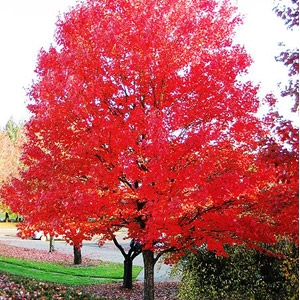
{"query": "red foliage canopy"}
(139, 121)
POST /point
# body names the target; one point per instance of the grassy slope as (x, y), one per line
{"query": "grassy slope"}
(53, 272)
(104, 273)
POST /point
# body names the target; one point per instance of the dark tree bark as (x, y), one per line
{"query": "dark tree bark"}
(127, 277)
(51, 244)
(149, 262)
(135, 250)
(77, 255)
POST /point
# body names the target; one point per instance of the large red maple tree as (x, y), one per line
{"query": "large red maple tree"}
(140, 120)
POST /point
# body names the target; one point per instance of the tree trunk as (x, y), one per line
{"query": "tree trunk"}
(127, 278)
(77, 255)
(135, 250)
(51, 244)
(149, 262)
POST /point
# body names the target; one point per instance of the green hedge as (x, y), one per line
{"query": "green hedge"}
(245, 274)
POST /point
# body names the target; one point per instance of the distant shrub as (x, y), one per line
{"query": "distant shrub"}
(245, 274)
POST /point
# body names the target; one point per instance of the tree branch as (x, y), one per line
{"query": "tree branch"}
(125, 181)
(120, 247)
(158, 256)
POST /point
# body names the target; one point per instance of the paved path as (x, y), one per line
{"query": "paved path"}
(90, 249)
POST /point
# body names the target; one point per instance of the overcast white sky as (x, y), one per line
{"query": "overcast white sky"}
(27, 26)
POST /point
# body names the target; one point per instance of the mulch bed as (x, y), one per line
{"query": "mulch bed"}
(114, 291)
(10, 288)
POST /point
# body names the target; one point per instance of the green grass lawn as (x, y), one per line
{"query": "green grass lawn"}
(105, 272)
